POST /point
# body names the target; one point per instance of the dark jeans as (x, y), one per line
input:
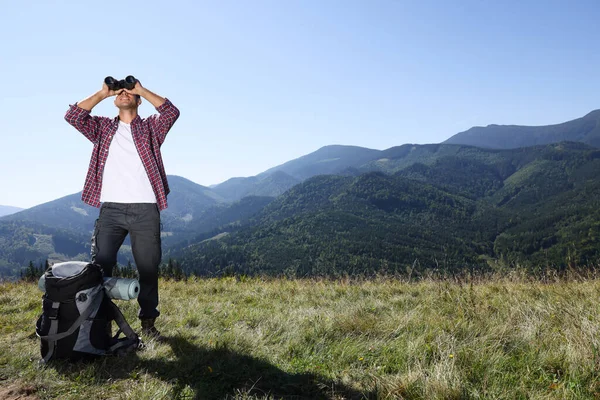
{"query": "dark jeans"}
(142, 222)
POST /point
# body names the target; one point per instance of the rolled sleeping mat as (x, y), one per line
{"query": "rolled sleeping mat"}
(122, 288)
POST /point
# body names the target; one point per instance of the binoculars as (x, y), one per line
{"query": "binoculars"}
(127, 83)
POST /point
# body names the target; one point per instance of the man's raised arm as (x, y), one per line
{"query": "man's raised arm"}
(168, 113)
(78, 115)
(92, 101)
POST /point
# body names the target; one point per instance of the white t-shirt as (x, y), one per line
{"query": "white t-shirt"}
(125, 179)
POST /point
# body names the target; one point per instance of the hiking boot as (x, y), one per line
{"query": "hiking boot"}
(150, 332)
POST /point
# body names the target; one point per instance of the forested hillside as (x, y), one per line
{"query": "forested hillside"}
(473, 208)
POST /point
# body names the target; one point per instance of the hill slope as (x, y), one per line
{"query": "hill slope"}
(353, 160)
(333, 159)
(585, 129)
(327, 160)
(61, 229)
(528, 206)
(270, 185)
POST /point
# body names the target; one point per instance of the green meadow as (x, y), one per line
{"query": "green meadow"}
(255, 338)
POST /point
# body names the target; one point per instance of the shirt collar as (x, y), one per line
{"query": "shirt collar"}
(133, 122)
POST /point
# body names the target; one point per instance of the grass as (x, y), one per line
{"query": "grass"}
(380, 339)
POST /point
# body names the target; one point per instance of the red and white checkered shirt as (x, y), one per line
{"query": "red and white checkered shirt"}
(148, 135)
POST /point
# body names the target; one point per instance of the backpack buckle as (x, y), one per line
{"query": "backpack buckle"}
(53, 313)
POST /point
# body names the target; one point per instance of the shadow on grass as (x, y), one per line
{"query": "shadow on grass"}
(220, 374)
(217, 374)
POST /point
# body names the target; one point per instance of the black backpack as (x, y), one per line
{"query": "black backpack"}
(77, 315)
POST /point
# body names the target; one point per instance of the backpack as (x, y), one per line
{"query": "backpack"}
(77, 315)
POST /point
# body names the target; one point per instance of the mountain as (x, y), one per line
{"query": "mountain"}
(335, 159)
(327, 160)
(61, 229)
(585, 129)
(217, 219)
(68, 213)
(397, 158)
(25, 241)
(270, 185)
(273, 185)
(314, 214)
(468, 208)
(187, 202)
(353, 160)
(7, 210)
(334, 225)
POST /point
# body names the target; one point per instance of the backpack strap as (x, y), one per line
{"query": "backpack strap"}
(53, 329)
(132, 339)
(53, 336)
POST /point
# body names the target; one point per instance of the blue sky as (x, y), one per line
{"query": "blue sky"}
(262, 82)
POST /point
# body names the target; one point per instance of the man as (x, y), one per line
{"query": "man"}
(126, 179)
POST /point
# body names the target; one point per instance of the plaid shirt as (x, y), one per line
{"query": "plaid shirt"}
(148, 135)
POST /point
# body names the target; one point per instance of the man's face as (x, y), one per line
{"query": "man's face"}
(126, 100)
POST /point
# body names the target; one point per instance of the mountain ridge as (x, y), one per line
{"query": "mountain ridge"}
(533, 206)
(585, 129)
(196, 212)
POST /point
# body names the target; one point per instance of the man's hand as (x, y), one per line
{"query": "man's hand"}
(137, 89)
(106, 92)
(152, 98)
(92, 101)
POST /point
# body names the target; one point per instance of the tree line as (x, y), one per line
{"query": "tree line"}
(170, 270)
